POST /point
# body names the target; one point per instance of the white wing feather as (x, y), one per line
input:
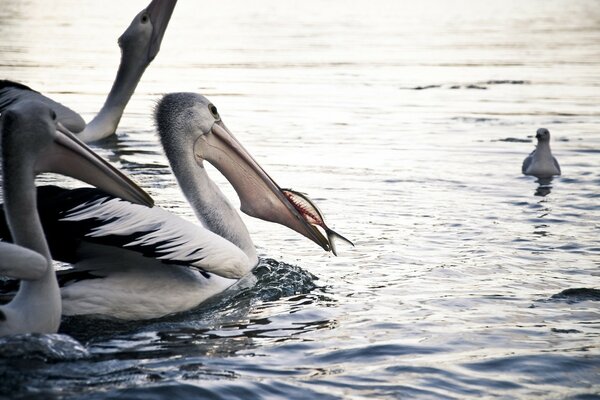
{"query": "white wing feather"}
(170, 237)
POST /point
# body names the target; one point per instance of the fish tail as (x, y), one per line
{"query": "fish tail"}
(331, 234)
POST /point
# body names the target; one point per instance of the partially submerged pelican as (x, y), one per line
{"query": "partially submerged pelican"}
(541, 163)
(33, 142)
(132, 262)
(139, 44)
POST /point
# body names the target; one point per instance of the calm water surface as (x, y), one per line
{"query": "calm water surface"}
(407, 123)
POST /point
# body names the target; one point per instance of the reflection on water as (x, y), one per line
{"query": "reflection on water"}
(544, 187)
(407, 124)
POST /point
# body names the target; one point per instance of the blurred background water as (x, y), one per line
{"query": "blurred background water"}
(407, 123)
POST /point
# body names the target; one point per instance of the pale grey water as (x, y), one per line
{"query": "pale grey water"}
(394, 117)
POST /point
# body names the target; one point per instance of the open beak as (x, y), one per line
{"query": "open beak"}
(159, 12)
(69, 156)
(260, 196)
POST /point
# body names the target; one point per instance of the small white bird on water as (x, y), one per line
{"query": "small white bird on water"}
(541, 163)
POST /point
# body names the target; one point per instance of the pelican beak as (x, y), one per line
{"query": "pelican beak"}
(260, 196)
(159, 12)
(69, 156)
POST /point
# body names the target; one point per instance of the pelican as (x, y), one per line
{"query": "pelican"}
(133, 262)
(33, 142)
(139, 45)
(541, 163)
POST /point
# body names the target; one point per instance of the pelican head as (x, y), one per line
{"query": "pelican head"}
(543, 135)
(144, 35)
(34, 142)
(191, 124)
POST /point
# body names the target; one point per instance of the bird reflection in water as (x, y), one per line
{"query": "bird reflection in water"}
(544, 187)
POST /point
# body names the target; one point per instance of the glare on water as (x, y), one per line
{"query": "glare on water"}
(406, 123)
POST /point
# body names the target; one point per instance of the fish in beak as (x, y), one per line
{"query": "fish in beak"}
(159, 12)
(311, 213)
(67, 155)
(260, 196)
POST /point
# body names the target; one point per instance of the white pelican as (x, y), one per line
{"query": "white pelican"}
(133, 262)
(32, 144)
(541, 163)
(139, 45)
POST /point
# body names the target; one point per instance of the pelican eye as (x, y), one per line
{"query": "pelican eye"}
(144, 18)
(213, 111)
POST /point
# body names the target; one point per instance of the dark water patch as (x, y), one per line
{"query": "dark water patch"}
(543, 217)
(431, 374)
(426, 87)
(584, 396)
(137, 151)
(541, 368)
(397, 180)
(216, 390)
(157, 168)
(471, 86)
(587, 151)
(371, 352)
(512, 140)
(519, 203)
(380, 390)
(478, 86)
(506, 82)
(451, 87)
(576, 295)
(570, 180)
(569, 246)
(475, 120)
(557, 330)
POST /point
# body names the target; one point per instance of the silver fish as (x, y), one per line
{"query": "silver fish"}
(312, 215)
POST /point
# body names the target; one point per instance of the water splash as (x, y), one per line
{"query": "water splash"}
(45, 347)
(275, 279)
(269, 281)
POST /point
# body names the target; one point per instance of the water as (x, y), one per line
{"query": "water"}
(407, 124)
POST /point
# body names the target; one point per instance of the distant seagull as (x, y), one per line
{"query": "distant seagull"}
(541, 163)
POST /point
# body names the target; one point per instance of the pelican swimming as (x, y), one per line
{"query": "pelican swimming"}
(541, 163)
(139, 45)
(132, 262)
(33, 142)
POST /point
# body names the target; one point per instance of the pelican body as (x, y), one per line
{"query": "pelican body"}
(541, 163)
(33, 142)
(139, 45)
(132, 262)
